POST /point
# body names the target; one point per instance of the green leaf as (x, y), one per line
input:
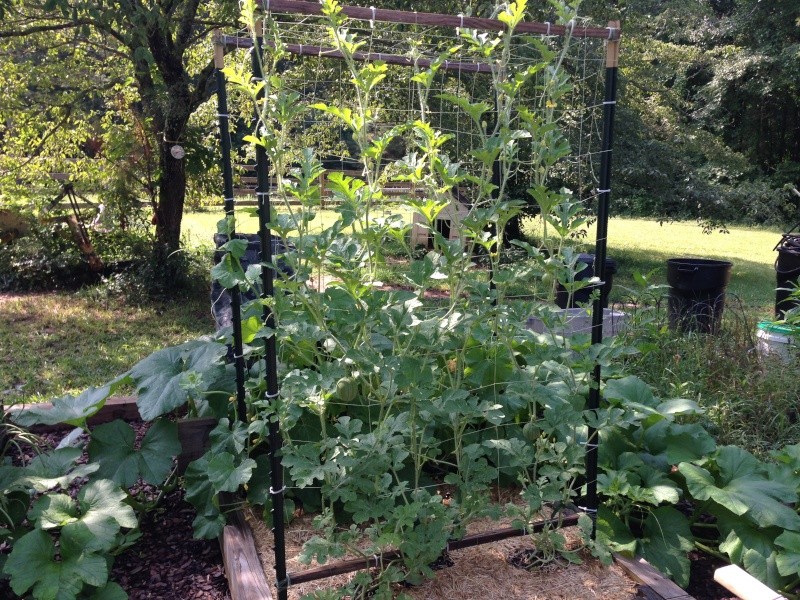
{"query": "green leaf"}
(679, 406)
(250, 327)
(225, 476)
(199, 491)
(54, 510)
(659, 487)
(110, 591)
(113, 448)
(159, 446)
(751, 546)
(614, 533)
(229, 272)
(667, 538)
(475, 110)
(33, 565)
(788, 561)
(742, 489)
(56, 468)
(101, 499)
(631, 390)
(69, 409)
(679, 442)
(158, 377)
(208, 525)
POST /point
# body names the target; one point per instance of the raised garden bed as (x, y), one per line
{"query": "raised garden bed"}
(167, 562)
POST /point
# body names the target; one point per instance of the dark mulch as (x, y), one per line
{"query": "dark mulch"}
(701, 581)
(167, 562)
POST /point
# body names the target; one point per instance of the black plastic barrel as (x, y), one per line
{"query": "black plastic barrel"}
(787, 270)
(220, 299)
(583, 295)
(697, 293)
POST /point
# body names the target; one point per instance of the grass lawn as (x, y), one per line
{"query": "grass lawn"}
(644, 246)
(638, 245)
(63, 342)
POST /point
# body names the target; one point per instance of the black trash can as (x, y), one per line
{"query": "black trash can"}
(697, 293)
(583, 295)
(220, 299)
(787, 270)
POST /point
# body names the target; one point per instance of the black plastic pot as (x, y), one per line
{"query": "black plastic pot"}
(697, 293)
(787, 270)
(583, 295)
(220, 299)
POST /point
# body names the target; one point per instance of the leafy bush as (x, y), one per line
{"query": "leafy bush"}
(48, 258)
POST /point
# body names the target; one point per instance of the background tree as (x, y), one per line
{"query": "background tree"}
(73, 59)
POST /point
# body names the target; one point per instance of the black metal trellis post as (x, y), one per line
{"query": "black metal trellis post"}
(277, 487)
(604, 197)
(227, 187)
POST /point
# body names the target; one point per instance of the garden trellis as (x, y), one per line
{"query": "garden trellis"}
(428, 75)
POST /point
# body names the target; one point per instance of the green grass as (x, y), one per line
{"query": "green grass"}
(638, 245)
(61, 342)
(643, 246)
(200, 226)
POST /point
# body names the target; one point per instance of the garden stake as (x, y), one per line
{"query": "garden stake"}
(277, 488)
(609, 103)
(227, 189)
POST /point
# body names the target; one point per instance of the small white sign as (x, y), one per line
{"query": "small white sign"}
(177, 152)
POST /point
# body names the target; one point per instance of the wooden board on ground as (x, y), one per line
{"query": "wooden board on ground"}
(243, 569)
(644, 573)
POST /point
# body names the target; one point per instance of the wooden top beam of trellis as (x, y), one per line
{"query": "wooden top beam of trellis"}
(392, 59)
(383, 15)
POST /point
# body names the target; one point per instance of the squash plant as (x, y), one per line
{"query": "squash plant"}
(65, 520)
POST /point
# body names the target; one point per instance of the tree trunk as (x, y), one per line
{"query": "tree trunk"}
(171, 198)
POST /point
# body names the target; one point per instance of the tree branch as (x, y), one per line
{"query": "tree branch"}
(15, 33)
(186, 24)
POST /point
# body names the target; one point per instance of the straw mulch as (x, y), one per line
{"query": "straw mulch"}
(479, 572)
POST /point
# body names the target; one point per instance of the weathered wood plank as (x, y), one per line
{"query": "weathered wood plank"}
(246, 578)
(116, 407)
(641, 571)
(744, 585)
(646, 593)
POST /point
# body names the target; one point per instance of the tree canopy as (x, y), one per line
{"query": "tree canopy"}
(708, 122)
(144, 66)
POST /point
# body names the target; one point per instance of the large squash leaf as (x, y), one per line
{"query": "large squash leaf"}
(666, 540)
(56, 468)
(742, 487)
(160, 376)
(788, 561)
(752, 547)
(113, 447)
(69, 409)
(33, 565)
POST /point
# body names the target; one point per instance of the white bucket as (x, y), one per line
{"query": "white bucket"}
(777, 341)
(575, 321)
